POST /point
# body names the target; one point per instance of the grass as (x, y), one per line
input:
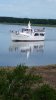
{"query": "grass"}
(23, 83)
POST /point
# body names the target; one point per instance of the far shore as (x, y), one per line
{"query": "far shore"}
(41, 25)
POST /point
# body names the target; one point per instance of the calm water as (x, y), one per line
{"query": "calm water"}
(28, 53)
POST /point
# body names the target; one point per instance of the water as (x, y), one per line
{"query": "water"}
(28, 53)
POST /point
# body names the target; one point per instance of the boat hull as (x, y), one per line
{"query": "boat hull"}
(21, 37)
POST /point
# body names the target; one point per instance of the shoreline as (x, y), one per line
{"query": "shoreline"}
(40, 25)
(40, 66)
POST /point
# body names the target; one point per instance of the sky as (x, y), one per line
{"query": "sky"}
(28, 8)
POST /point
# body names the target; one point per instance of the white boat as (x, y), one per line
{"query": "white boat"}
(28, 34)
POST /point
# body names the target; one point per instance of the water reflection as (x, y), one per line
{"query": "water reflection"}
(27, 47)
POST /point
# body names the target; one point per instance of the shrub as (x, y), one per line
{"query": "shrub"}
(44, 92)
(16, 84)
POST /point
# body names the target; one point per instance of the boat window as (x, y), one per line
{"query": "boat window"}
(41, 34)
(36, 34)
(26, 30)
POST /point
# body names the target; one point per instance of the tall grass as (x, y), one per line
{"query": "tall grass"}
(17, 84)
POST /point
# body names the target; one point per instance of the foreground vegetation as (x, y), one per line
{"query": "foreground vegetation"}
(23, 83)
(10, 20)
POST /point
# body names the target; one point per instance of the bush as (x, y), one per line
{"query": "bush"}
(16, 84)
(44, 92)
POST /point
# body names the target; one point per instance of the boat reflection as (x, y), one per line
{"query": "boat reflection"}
(27, 47)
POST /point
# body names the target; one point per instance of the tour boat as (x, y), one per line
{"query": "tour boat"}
(28, 34)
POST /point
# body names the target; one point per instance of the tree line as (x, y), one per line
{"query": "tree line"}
(25, 20)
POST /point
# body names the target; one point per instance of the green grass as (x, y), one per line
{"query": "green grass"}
(18, 84)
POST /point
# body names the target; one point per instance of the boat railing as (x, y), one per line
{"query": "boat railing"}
(39, 30)
(14, 32)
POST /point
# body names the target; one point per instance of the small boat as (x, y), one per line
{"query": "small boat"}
(28, 34)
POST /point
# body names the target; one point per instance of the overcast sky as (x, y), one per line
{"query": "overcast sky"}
(28, 8)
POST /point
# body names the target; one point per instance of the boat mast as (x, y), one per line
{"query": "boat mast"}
(29, 25)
